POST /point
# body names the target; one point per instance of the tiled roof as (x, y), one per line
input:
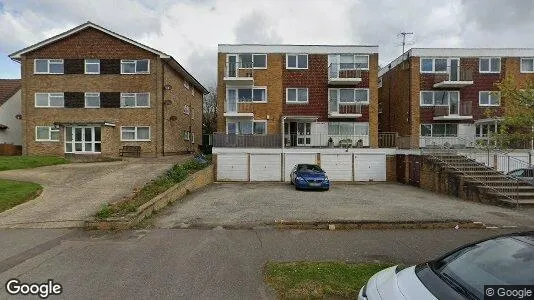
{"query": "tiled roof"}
(8, 87)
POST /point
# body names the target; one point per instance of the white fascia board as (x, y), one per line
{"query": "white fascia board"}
(473, 52)
(308, 49)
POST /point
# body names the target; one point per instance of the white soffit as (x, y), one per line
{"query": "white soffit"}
(308, 49)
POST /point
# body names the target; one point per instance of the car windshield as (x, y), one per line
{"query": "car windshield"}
(501, 261)
(310, 168)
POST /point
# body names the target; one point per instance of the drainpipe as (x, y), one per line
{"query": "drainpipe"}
(163, 111)
(282, 121)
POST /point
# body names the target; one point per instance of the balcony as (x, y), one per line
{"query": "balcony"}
(453, 77)
(341, 74)
(454, 111)
(290, 140)
(344, 110)
(234, 108)
(239, 73)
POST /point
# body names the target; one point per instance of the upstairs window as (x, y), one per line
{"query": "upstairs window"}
(48, 66)
(527, 65)
(256, 61)
(297, 95)
(349, 96)
(433, 65)
(255, 94)
(439, 98)
(439, 130)
(353, 62)
(489, 98)
(92, 66)
(49, 100)
(489, 65)
(135, 100)
(140, 66)
(296, 61)
(92, 100)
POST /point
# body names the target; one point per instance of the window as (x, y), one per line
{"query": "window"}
(46, 134)
(260, 127)
(489, 65)
(352, 62)
(192, 114)
(349, 95)
(186, 109)
(140, 66)
(434, 65)
(92, 66)
(297, 95)
(348, 128)
(49, 100)
(48, 66)
(296, 61)
(256, 61)
(186, 135)
(439, 130)
(527, 65)
(488, 98)
(255, 94)
(133, 133)
(135, 100)
(92, 100)
(192, 138)
(438, 98)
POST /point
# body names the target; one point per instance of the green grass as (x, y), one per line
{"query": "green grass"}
(317, 280)
(26, 162)
(13, 193)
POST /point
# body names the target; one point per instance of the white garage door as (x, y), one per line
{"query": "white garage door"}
(338, 167)
(293, 159)
(370, 167)
(232, 167)
(265, 167)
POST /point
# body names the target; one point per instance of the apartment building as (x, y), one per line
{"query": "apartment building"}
(90, 90)
(433, 96)
(316, 95)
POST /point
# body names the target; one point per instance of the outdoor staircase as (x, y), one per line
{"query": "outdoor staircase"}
(493, 184)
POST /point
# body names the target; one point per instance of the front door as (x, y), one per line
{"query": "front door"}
(83, 139)
(303, 134)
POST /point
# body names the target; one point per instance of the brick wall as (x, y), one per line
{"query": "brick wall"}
(391, 168)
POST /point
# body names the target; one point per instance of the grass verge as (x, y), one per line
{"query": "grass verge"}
(316, 280)
(13, 193)
(26, 162)
(157, 186)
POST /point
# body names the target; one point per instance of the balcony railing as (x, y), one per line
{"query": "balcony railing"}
(236, 108)
(453, 76)
(239, 72)
(344, 74)
(461, 111)
(290, 140)
(344, 110)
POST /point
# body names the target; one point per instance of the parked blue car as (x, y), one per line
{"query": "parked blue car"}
(307, 176)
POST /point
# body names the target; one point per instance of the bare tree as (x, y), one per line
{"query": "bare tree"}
(210, 111)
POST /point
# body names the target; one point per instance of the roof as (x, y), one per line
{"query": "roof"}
(8, 88)
(458, 52)
(169, 59)
(288, 48)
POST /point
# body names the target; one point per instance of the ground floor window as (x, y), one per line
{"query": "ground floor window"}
(83, 139)
(46, 134)
(484, 130)
(348, 128)
(439, 130)
(135, 133)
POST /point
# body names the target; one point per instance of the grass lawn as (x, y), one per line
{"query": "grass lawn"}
(25, 162)
(312, 280)
(13, 193)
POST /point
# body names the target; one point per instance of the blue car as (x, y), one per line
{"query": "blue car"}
(307, 176)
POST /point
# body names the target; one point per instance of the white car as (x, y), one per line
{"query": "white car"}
(460, 274)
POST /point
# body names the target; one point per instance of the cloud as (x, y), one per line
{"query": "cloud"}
(256, 28)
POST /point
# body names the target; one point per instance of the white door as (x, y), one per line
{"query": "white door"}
(303, 134)
(338, 167)
(292, 159)
(369, 167)
(232, 167)
(265, 167)
(83, 139)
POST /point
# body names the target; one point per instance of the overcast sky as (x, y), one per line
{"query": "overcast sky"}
(190, 30)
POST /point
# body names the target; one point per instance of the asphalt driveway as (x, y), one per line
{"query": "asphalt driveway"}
(73, 192)
(266, 203)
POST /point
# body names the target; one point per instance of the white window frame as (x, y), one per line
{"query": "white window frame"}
(354, 56)
(296, 101)
(187, 135)
(136, 139)
(432, 129)
(338, 93)
(124, 61)
(93, 95)
(135, 96)
(85, 63)
(489, 65)
(48, 63)
(240, 62)
(448, 59)
(50, 95)
(192, 137)
(50, 129)
(259, 121)
(297, 61)
(521, 65)
(434, 98)
(236, 88)
(490, 93)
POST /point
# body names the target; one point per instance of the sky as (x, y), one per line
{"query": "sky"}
(190, 30)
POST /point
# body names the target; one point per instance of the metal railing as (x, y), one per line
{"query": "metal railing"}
(465, 108)
(340, 108)
(238, 69)
(290, 140)
(235, 106)
(345, 71)
(447, 141)
(454, 73)
(387, 139)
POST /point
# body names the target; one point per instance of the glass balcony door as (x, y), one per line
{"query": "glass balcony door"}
(83, 139)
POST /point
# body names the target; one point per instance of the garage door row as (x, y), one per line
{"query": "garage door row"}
(268, 167)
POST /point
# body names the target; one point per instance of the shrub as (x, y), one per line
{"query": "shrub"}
(177, 173)
(105, 212)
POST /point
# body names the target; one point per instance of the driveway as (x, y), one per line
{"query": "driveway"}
(266, 203)
(73, 192)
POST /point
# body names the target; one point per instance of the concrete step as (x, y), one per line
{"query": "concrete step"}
(519, 195)
(510, 188)
(521, 202)
(477, 172)
(506, 182)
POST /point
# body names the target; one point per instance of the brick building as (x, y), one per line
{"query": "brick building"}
(313, 93)
(91, 91)
(447, 95)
